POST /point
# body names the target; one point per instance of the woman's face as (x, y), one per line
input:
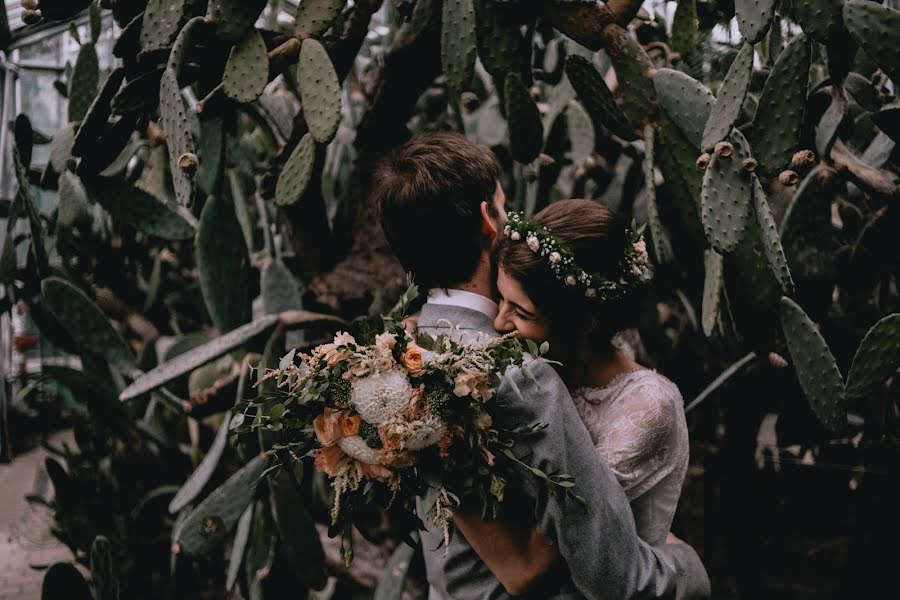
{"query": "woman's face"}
(517, 312)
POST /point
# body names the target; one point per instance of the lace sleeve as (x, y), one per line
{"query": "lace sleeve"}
(639, 437)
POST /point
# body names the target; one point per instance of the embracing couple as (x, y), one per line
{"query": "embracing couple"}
(571, 276)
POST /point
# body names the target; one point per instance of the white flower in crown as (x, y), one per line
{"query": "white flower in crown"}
(506, 231)
(555, 257)
(515, 236)
(590, 293)
(636, 270)
(570, 280)
(533, 243)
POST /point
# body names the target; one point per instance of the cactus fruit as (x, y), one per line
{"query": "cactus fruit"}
(816, 368)
(297, 172)
(320, 91)
(777, 361)
(104, 574)
(163, 19)
(96, 116)
(730, 98)
(316, 16)
(724, 149)
(779, 117)
(661, 245)
(712, 290)
(191, 488)
(788, 178)
(771, 239)
(725, 197)
(526, 132)
(84, 82)
(247, 70)
(633, 73)
(875, 27)
(85, 322)
(749, 164)
(877, 357)
(222, 259)
(234, 18)
(802, 159)
(685, 100)
(703, 161)
(459, 43)
(754, 18)
(820, 19)
(179, 140)
(596, 98)
(210, 522)
(297, 531)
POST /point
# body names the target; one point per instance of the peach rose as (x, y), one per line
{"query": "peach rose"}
(334, 356)
(417, 407)
(389, 440)
(444, 445)
(376, 472)
(330, 460)
(328, 428)
(412, 359)
(349, 425)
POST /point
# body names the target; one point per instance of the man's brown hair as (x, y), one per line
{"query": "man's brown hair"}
(429, 193)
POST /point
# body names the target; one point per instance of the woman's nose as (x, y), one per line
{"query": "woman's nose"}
(503, 323)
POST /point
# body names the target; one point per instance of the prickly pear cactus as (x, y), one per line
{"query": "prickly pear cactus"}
(320, 91)
(232, 19)
(316, 16)
(297, 172)
(770, 237)
(162, 21)
(84, 82)
(526, 132)
(661, 245)
(459, 43)
(712, 290)
(729, 100)
(596, 97)
(754, 18)
(183, 158)
(876, 359)
(726, 194)
(686, 101)
(875, 27)
(247, 70)
(634, 70)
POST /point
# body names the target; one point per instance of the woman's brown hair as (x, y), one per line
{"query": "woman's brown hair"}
(598, 238)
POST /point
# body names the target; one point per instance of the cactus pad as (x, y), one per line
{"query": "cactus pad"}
(204, 471)
(247, 70)
(297, 531)
(683, 181)
(596, 97)
(104, 574)
(297, 172)
(820, 19)
(163, 19)
(35, 223)
(712, 289)
(730, 99)
(179, 140)
(320, 91)
(633, 71)
(770, 238)
(779, 117)
(876, 29)
(754, 18)
(725, 197)
(687, 102)
(139, 209)
(61, 146)
(97, 115)
(84, 82)
(582, 136)
(239, 546)
(816, 368)
(877, 357)
(526, 132)
(73, 203)
(316, 16)
(459, 43)
(827, 127)
(661, 245)
(234, 18)
(499, 41)
(806, 231)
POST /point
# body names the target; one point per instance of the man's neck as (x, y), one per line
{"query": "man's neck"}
(482, 282)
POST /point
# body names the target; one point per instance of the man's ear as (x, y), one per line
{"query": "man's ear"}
(488, 225)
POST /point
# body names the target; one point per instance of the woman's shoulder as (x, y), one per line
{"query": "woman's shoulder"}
(638, 386)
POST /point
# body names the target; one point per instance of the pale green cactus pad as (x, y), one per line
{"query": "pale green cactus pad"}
(320, 91)
(247, 70)
(661, 245)
(179, 140)
(316, 16)
(729, 100)
(754, 18)
(163, 19)
(295, 175)
(687, 102)
(771, 238)
(712, 290)
(459, 43)
(726, 195)
(876, 28)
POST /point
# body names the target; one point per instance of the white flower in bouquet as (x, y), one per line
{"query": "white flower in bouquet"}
(356, 447)
(470, 382)
(386, 340)
(379, 396)
(413, 435)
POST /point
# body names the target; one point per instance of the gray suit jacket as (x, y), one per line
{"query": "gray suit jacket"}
(603, 553)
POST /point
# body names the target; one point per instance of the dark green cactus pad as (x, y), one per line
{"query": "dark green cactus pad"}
(279, 289)
(526, 132)
(222, 259)
(84, 82)
(712, 290)
(260, 553)
(234, 18)
(139, 209)
(73, 204)
(729, 100)
(179, 141)
(182, 46)
(316, 16)
(104, 574)
(85, 322)
(64, 582)
(24, 134)
(297, 172)
(875, 27)
(827, 127)
(393, 578)
(806, 231)
(633, 71)
(816, 368)
(239, 546)
(96, 22)
(163, 19)
(877, 357)
(109, 147)
(820, 19)
(200, 355)
(753, 291)
(779, 117)
(662, 248)
(770, 238)
(725, 196)
(754, 18)
(685, 35)
(209, 524)
(247, 70)
(459, 43)
(499, 41)
(888, 120)
(61, 147)
(212, 154)
(29, 208)
(94, 121)
(687, 102)
(320, 91)
(683, 180)
(204, 471)
(297, 531)
(582, 135)
(596, 98)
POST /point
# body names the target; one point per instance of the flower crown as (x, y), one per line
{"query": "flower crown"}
(635, 265)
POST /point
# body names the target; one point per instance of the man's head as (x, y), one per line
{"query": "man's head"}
(441, 206)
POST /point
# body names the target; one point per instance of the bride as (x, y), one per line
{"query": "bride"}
(574, 277)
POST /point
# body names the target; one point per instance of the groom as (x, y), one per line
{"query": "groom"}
(441, 209)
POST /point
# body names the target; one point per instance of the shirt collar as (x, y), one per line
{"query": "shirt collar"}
(465, 299)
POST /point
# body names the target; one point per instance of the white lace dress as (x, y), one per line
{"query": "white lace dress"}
(637, 424)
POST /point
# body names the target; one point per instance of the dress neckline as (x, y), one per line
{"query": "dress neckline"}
(616, 381)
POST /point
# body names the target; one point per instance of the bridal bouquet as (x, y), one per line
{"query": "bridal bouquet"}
(389, 417)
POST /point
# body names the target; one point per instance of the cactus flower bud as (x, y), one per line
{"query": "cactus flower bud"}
(703, 161)
(188, 163)
(724, 149)
(29, 4)
(802, 158)
(749, 164)
(777, 360)
(788, 177)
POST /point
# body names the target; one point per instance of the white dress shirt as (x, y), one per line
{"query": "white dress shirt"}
(464, 299)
